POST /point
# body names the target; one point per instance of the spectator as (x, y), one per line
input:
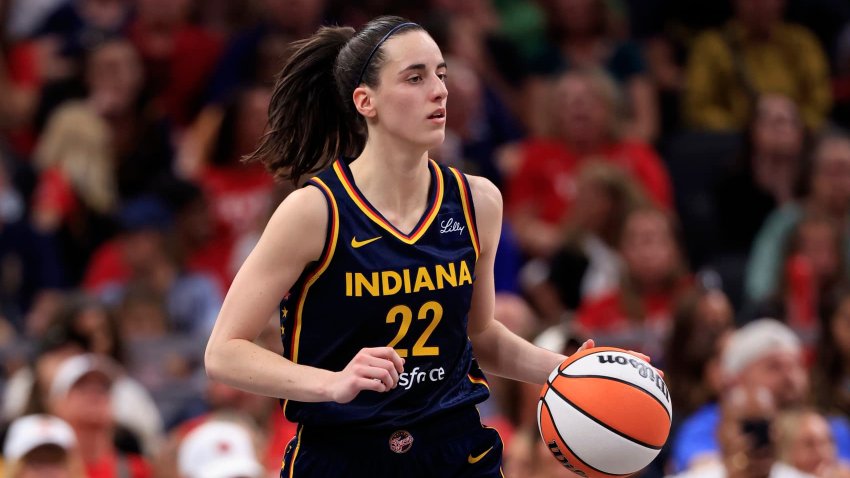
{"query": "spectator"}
(219, 449)
(804, 441)
(583, 35)
(76, 191)
(766, 176)
(826, 192)
(587, 264)
(78, 25)
(746, 447)
(813, 267)
(178, 57)
(79, 325)
(584, 126)
(764, 353)
(254, 57)
(39, 446)
(702, 322)
(755, 53)
(639, 313)
(481, 127)
(32, 269)
(140, 256)
(80, 395)
(830, 372)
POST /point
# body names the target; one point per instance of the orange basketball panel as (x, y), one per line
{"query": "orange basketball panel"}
(626, 409)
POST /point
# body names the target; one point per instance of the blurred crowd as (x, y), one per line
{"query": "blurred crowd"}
(676, 178)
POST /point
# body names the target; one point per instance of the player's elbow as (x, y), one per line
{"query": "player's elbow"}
(213, 363)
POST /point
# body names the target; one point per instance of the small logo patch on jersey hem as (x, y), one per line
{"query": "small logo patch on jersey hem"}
(475, 459)
(401, 441)
(357, 244)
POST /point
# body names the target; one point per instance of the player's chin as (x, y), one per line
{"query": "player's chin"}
(433, 139)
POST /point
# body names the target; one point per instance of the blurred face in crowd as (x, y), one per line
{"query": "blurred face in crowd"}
(142, 249)
(830, 182)
(809, 445)
(47, 461)
(714, 310)
(87, 403)
(781, 372)
(759, 16)
(594, 206)
(778, 129)
(115, 77)
(93, 322)
(649, 247)
(582, 113)
(819, 244)
(743, 434)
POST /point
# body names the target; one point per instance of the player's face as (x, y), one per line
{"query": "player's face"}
(410, 101)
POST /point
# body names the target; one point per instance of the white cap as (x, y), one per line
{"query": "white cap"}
(32, 431)
(74, 368)
(756, 340)
(218, 449)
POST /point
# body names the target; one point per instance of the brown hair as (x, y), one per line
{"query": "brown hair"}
(312, 118)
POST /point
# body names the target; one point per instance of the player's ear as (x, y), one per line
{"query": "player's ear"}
(363, 101)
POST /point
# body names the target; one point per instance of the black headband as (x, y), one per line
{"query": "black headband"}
(378, 45)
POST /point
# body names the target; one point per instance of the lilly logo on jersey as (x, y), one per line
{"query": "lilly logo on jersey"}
(384, 283)
(450, 225)
(407, 380)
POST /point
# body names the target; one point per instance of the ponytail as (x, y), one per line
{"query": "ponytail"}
(308, 125)
(312, 119)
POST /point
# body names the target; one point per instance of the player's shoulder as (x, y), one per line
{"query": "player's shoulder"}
(305, 208)
(485, 195)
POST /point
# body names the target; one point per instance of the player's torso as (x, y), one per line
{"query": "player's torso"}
(378, 286)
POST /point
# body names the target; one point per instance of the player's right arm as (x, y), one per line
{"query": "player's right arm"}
(294, 237)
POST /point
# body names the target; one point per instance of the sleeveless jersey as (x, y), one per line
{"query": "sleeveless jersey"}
(376, 286)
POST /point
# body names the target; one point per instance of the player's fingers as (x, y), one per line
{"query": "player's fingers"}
(588, 344)
(380, 373)
(370, 384)
(386, 365)
(388, 353)
(660, 372)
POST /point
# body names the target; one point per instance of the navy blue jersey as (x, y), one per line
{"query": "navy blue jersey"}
(376, 286)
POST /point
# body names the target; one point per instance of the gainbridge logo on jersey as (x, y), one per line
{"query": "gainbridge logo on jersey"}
(407, 380)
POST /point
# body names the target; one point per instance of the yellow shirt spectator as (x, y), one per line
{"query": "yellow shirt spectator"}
(728, 68)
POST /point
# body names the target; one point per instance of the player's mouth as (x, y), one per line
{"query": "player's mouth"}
(438, 116)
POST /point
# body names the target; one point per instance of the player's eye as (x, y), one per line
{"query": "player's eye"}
(442, 76)
(414, 79)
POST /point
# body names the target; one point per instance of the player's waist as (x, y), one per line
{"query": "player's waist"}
(435, 429)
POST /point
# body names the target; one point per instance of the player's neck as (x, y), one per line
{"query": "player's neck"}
(393, 178)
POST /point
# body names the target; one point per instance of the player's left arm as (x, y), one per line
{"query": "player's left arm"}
(498, 350)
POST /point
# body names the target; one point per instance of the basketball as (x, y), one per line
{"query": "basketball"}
(604, 412)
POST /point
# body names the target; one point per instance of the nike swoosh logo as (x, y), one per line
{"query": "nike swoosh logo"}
(356, 244)
(475, 459)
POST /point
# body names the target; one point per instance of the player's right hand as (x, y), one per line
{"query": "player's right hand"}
(373, 369)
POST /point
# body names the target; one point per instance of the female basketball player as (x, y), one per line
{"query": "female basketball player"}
(388, 263)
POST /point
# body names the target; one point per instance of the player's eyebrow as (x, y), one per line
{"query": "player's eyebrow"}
(420, 67)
